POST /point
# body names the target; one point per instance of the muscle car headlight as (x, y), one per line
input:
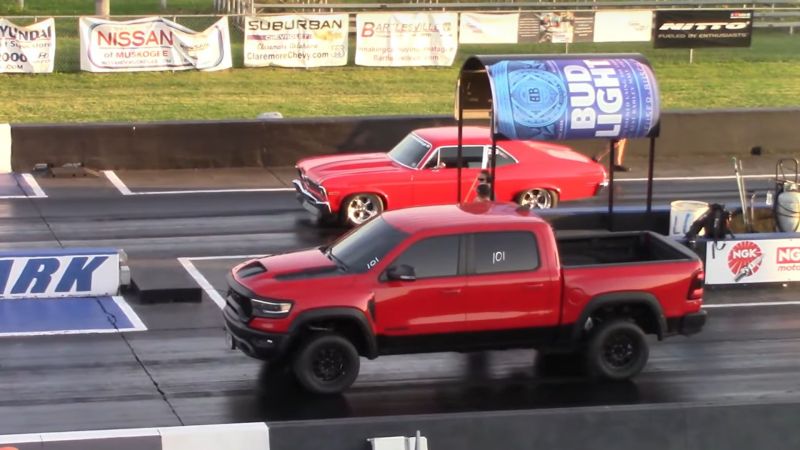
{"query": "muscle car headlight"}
(270, 309)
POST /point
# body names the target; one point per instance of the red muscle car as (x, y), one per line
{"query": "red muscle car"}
(421, 170)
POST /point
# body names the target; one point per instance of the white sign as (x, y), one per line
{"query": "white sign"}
(30, 49)
(753, 261)
(406, 39)
(623, 26)
(296, 40)
(152, 44)
(5, 148)
(481, 28)
(60, 273)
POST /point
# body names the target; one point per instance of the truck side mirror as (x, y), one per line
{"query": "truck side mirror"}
(402, 272)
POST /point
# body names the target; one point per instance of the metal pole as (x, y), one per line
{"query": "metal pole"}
(650, 175)
(612, 152)
(21, 4)
(494, 159)
(460, 131)
(102, 8)
(691, 55)
(163, 4)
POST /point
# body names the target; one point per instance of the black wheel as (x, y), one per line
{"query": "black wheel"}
(359, 208)
(326, 364)
(538, 198)
(617, 350)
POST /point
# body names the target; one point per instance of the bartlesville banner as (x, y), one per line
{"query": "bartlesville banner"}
(296, 40)
(152, 44)
(406, 39)
(29, 49)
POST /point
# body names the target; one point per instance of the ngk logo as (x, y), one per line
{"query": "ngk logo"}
(744, 259)
(788, 255)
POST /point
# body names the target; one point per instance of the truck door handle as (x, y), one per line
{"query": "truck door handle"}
(452, 291)
(534, 285)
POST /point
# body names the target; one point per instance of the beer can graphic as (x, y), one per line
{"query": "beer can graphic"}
(574, 98)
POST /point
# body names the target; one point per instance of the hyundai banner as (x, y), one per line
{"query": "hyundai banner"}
(694, 29)
(753, 261)
(487, 28)
(152, 44)
(296, 40)
(406, 39)
(554, 99)
(29, 49)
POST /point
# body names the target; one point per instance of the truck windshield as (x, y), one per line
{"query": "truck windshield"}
(410, 151)
(361, 249)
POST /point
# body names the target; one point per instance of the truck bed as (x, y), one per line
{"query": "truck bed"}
(592, 248)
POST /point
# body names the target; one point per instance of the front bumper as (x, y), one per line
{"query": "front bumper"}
(692, 323)
(309, 202)
(256, 344)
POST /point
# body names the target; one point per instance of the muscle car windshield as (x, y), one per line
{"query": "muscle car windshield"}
(366, 245)
(410, 151)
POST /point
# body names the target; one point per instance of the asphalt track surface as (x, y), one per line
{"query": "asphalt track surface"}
(179, 372)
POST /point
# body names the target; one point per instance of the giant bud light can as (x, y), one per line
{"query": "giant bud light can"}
(574, 98)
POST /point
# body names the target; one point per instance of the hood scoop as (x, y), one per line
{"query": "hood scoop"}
(251, 269)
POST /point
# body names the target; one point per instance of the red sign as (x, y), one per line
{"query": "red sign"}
(788, 255)
(745, 259)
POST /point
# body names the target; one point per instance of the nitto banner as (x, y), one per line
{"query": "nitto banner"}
(152, 44)
(693, 29)
(28, 49)
(484, 28)
(556, 27)
(296, 40)
(406, 39)
(623, 26)
(753, 261)
(574, 98)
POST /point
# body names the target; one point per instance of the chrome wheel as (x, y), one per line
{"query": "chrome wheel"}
(362, 207)
(537, 199)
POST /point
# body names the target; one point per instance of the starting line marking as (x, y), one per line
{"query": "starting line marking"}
(202, 281)
(124, 190)
(33, 186)
(751, 304)
(712, 177)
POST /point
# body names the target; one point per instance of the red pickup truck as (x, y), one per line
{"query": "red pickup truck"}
(478, 276)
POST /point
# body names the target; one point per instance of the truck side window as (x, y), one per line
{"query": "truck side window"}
(508, 251)
(432, 257)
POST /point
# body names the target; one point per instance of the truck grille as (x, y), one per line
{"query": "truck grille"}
(240, 303)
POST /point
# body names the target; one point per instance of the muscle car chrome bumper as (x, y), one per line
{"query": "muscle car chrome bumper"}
(309, 202)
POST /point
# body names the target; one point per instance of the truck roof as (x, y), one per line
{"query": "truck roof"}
(412, 220)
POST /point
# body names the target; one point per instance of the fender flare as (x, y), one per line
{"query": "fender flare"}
(340, 313)
(627, 298)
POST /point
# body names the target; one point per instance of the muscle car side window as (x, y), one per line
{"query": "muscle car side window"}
(503, 158)
(447, 157)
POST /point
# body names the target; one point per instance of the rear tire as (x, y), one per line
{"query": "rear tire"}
(326, 363)
(358, 208)
(538, 198)
(617, 350)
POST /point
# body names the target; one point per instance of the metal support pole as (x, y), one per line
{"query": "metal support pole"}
(612, 152)
(102, 8)
(163, 4)
(460, 138)
(494, 160)
(650, 175)
(21, 4)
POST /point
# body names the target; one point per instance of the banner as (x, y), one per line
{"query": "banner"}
(406, 39)
(152, 44)
(623, 26)
(484, 28)
(59, 273)
(296, 40)
(562, 27)
(753, 261)
(557, 99)
(694, 29)
(30, 49)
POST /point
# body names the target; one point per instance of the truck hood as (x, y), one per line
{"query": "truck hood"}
(288, 266)
(320, 168)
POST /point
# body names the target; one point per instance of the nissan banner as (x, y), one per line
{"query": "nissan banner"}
(152, 44)
(693, 29)
(296, 40)
(29, 49)
(753, 261)
(553, 99)
(406, 39)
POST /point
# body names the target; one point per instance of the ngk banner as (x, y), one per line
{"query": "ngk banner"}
(480, 28)
(753, 261)
(623, 26)
(152, 44)
(406, 39)
(296, 40)
(28, 49)
(693, 29)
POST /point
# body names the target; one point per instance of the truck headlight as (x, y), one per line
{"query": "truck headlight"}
(270, 309)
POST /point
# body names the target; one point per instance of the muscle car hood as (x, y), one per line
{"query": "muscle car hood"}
(320, 168)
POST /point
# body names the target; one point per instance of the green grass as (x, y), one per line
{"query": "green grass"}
(118, 7)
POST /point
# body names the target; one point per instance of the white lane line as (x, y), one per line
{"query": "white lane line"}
(713, 177)
(133, 318)
(751, 304)
(203, 282)
(209, 258)
(124, 190)
(34, 185)
(114, 179)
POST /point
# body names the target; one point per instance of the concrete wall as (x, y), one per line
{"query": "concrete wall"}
(280, 142)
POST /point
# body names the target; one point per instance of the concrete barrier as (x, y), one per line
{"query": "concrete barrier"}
(281, 142)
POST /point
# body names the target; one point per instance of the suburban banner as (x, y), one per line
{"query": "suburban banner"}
(484, 28)
(693, 29)
(623, 26)
(30, 49)
(555, 27)
(296, 40)
(554, 99)
(753, 261)
(406, 39)
(152, 44)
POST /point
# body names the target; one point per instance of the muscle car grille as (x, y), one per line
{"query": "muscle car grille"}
(240, 303)
(314, 188)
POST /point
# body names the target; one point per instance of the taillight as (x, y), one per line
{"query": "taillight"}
(696, 286)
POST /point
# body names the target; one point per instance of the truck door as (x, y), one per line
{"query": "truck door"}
(430, 304)
(509, 286)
